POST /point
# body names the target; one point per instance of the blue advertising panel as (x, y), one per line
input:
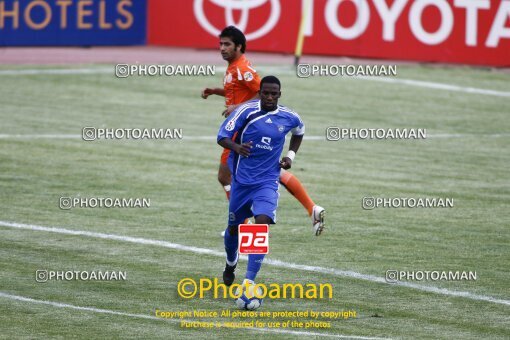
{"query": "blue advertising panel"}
(72, 22)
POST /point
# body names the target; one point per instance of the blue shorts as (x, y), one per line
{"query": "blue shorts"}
(252, 200)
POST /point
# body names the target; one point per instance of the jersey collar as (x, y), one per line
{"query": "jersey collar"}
(275, 111)
(239, 60)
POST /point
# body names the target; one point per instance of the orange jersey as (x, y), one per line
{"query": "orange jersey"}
(241, 82)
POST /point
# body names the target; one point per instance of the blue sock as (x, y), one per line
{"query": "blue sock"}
(231, 242)
(254, 264)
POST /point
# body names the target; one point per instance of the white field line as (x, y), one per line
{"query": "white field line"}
(38, 136)
(151, 317)
(57, 71)
(281, 69)
(213, 138)
(393, 80)
(272, 262)
(438, 86)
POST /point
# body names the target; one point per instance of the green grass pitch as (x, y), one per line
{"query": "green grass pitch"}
(465, 157)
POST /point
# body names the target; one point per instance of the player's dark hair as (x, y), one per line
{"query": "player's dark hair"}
(235, 35)
(270, 80)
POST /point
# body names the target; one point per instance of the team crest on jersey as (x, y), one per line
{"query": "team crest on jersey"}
(248, 76)
(228, 78)
(281, 128)
(230, 125)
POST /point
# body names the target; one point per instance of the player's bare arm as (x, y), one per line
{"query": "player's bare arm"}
(295, 143)
(241, 149)
(208, 91)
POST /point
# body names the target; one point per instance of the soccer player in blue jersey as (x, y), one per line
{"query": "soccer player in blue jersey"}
(260, 127)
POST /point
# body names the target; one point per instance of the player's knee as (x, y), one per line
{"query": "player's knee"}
(263, 219)
(232, 229)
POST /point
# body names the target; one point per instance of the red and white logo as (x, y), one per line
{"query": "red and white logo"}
(253, 239)
(460, 31)
(244, 6)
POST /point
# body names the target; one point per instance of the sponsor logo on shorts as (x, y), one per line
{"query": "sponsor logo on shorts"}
(253, 239)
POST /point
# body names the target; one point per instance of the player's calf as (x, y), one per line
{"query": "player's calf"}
(231, 244)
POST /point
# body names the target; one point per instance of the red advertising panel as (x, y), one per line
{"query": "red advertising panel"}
(457, 31)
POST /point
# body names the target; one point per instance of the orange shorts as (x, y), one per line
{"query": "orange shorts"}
(224, 156)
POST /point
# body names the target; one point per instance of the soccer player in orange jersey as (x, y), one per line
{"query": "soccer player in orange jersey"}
(240, 84)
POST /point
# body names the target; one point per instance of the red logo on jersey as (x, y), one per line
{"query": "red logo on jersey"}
(253, 239)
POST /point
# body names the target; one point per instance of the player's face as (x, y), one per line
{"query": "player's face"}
(269, 94)
(228, 49)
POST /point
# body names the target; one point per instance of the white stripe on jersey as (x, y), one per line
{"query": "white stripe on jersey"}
(258, 110)
(295, 131)
(239, 75)
(286, 109)
(240, 111)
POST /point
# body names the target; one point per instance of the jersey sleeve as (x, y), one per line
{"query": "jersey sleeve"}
(250, 78)
(299, 126)
(232, 124)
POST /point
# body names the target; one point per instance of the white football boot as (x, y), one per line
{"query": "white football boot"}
(318, 213)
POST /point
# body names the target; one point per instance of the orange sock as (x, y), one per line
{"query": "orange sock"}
(294, 186)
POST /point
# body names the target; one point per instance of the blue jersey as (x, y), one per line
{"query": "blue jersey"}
(266, 131)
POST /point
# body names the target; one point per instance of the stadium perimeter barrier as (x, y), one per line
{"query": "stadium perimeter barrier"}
(72, 22)
(452, 31)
